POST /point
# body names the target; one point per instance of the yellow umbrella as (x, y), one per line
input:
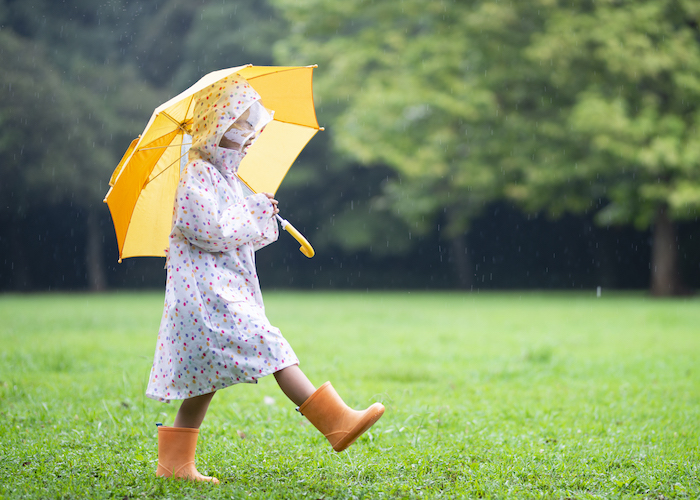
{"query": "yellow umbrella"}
(143, 185)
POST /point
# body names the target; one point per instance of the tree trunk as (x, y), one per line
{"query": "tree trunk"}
(21, 275)
(97, 280)
(459, 256)
(665, 278)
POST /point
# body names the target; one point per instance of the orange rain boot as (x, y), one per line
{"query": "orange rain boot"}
(176, 448)
(337, 421)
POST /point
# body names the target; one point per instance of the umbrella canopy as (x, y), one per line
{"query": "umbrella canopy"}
(143, 185)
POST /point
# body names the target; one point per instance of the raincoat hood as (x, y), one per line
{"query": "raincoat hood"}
(217, 108)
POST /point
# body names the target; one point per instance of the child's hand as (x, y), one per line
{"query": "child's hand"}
(274, 202)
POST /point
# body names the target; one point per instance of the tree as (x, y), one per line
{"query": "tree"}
(72, 101)
(223, 35)
(411, 85)
(29, 148)
(588, 107)
(624, 81)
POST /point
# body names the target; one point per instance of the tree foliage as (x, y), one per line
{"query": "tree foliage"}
(225, 34)
(429, 89)
(402, 83)
(588, 107)
(71, 99)
(434, 110)
(626, 80)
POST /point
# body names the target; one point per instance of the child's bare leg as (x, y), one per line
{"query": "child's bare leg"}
(192, 411)
(294, 384)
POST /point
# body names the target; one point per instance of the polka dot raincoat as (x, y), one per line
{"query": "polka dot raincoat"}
(214, 332)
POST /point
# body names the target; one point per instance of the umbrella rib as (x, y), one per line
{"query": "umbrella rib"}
(162, 147)
(166, 168)
(299, 124)
(179, 125)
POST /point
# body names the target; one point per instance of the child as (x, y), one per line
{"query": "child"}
(214, 332)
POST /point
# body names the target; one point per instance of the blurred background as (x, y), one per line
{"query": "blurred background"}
(469, 145)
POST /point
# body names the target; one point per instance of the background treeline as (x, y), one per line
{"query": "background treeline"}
(473, 144)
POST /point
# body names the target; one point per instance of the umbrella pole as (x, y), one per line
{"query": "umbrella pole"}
(306, 247)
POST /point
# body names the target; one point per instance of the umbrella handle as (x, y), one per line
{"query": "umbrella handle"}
(306, 247)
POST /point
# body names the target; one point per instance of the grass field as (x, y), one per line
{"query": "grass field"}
(487, 395)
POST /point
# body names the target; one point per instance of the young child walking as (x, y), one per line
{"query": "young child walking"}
(214, 332)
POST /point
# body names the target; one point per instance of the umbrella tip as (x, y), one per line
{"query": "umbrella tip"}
(322, 128)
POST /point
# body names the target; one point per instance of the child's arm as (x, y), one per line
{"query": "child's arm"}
(205, 224)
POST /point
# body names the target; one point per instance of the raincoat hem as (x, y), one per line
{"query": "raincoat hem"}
(264, 373)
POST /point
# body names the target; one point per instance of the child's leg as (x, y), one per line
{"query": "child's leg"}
(294, 384)
(192, 411)
(177, 445)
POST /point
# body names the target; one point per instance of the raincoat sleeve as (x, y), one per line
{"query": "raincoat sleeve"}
(269, 235)
(209, 222)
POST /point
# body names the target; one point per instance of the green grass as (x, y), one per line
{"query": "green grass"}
(487, 395)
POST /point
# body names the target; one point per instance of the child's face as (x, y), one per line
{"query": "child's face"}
(246, 128)
(240, 135)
